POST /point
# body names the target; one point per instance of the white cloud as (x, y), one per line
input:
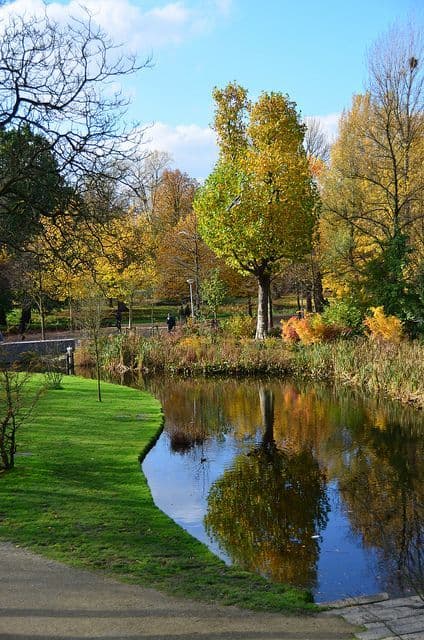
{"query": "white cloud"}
(223, 6)
(329, 124)
(193, 149)
(125, 21)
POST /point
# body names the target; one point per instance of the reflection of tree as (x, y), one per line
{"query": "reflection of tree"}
(192, 415)
(373, 449)
(382, 487)
(265, 510)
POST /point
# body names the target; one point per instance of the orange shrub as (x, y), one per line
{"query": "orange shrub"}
(382, 327)
(288, 329)
(311, 329)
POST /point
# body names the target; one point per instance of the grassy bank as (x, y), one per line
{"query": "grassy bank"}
(77, 495)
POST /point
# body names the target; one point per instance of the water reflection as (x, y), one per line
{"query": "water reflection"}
(265, 510)
(300, 483)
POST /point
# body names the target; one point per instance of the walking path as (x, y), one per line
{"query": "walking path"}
(41, 599)
(384, 618)
(44, 600)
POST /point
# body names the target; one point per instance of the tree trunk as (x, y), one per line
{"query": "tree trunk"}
(270, 309)
(25, 318)
(98, 372)
(308, 295)
(318, 293)
(263, 302)
(71, 319)
(42, 317)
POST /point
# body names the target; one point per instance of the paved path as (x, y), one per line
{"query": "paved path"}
(41, 599)
(384, 618)
(44, 600)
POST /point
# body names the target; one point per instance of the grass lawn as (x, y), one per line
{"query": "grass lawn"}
(77, 495)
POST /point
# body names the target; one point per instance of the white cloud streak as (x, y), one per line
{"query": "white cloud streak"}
(329, 124)
(127, 23)
(193, 149)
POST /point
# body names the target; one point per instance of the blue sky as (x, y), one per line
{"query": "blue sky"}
(314, 51)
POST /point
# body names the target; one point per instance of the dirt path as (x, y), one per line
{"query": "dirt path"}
(45, 600)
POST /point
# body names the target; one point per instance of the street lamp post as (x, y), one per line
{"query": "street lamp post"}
(190, 284)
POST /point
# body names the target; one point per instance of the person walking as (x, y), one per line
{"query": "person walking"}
(170, 322)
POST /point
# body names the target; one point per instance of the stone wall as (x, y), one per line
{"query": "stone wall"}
(13, 351)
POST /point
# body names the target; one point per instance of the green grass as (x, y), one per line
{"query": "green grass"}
(78, 495)
(59, 319)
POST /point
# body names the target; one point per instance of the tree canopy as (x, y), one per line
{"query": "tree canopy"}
(258, 205)
(373, 191)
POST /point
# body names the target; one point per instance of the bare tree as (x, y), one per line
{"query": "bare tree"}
(148, 179)
(59, 81)
(16, 405)
(316, 142)
(396, 89)
(374, 191)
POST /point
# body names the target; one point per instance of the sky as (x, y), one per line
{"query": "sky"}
(313, 51)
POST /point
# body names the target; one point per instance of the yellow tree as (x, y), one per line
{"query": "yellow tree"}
(374, 190)
(68, 250)
(126, 266)
(258, 205)
(174, 198)
(183, 255)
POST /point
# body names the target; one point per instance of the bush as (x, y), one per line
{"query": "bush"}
(382, 327)
(239, 327)
(289, 330)
(311, 329)
(53, 374)
(343, 313)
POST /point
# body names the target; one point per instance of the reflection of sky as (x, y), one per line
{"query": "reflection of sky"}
(182, 493)
(343, 565)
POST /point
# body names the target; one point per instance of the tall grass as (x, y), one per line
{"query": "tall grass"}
(395, 370)
(206, 354)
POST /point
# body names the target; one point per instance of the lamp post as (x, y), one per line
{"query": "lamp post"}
(193, 249)
(70, 367)
(190, 284)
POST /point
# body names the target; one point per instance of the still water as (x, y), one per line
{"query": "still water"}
(303, 484)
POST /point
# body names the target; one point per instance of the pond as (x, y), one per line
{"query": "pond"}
(302, 484)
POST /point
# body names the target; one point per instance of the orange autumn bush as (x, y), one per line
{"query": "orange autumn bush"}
(289, 330)
(383, 327)
(311, 330)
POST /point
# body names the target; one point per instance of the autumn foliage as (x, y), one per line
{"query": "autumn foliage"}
(311, 329)
(384, 327)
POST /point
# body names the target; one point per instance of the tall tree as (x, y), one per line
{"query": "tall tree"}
(257, 206)
(174, 198)
(30, 186)
(57, 82)
(374, 191)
